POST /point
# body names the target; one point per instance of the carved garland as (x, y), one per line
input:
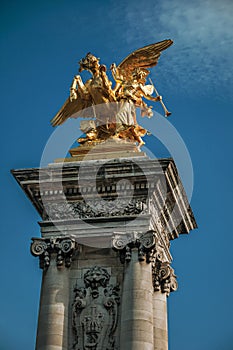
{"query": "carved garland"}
(63, 247)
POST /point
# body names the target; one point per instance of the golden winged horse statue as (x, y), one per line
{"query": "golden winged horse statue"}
(111, 112)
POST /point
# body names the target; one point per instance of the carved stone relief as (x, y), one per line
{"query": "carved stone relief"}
(97, 208)
(164, 278)
(152, 250)
(95, 312)
(63, 247)
(144, 242)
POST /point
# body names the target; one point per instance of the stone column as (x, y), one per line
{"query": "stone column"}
(160, 321)
(137, 292)
(55, 259)
(137, 307)
(164, 282)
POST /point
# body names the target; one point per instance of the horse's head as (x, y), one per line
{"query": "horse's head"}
(90, 62)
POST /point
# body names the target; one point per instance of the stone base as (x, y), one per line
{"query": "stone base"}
(109, 149)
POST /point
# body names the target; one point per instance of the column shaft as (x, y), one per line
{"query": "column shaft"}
(160, 321)
(53, 316)
(137, 307)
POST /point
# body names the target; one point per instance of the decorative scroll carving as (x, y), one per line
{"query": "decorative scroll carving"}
(61, 246)
(98, 208)
(164, 278)
(153, 251)
(144, 242)
(95, 312)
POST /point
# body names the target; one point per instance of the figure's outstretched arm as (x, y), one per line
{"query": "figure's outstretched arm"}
(152, 98)
(148, 95)
(167, 113)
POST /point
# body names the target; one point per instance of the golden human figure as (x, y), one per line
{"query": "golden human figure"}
(113, 110)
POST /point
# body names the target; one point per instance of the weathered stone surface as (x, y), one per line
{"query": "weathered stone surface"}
(137, 312)
(94, 296)
(154, 186)
(160, 320)
(95, 311)
(45, 248)
(53, 314)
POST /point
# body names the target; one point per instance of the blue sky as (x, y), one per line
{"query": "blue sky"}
(40, 44)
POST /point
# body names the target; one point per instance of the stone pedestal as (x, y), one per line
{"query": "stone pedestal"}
(104, 249)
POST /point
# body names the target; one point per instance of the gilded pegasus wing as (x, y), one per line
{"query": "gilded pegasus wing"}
(73, 109)
(144, 57)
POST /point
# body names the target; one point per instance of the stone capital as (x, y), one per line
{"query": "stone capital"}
(143, 242)
(163, 277)
(61, 247)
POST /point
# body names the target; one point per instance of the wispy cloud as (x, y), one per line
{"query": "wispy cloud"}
(203, 43)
